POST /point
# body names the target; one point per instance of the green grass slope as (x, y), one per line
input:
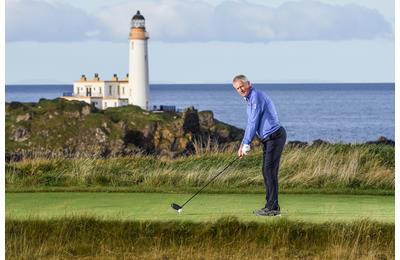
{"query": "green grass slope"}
(314, 208)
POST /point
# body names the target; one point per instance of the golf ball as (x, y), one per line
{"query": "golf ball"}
(179, 211)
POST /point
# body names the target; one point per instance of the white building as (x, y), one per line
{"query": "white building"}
(134, 89)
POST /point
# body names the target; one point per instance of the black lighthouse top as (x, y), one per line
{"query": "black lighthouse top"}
(137, 20)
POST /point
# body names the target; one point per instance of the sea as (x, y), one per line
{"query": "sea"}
(340, 113)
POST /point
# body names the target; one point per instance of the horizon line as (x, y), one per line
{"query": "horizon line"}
(215, 83)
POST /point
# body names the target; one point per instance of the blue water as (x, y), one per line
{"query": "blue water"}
(333, 112)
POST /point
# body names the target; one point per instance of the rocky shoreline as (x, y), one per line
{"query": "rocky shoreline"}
(382, 140)
(54, 128)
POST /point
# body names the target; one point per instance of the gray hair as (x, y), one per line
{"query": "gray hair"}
(240, 77)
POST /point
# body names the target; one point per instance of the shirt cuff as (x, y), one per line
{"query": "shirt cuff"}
(245, 142)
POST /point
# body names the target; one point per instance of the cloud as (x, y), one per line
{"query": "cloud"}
(166, 20)
(47, 21)
(196, 21)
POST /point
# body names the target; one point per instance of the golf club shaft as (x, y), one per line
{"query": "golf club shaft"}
(226, 167)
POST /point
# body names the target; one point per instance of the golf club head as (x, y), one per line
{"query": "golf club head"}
(175, 206)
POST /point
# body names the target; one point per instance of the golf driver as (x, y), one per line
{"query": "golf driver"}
(179, 208)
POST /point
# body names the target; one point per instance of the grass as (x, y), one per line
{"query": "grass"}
(212, 190)
(313, 208)
(326, 168)
(226, 238)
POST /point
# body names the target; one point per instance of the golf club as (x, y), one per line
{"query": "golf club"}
(179, 208)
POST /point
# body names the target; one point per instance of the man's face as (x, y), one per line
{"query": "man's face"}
(242, 87)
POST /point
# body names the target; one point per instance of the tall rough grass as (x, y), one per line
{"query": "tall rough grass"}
(226, 238)
(324, 167)
(208, 145)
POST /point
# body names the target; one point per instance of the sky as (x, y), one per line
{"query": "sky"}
(204, 41)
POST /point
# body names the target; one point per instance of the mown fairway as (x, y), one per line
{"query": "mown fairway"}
(156, 206)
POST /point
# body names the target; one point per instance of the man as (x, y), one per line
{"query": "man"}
(263, 121)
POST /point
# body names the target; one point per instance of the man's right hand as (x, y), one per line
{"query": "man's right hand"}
(240, 151)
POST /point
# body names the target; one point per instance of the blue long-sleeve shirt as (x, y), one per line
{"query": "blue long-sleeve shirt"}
(262, 118)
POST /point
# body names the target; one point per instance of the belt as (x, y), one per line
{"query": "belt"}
(273, 135)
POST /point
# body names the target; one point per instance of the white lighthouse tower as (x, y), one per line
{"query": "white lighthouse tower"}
(138, 63)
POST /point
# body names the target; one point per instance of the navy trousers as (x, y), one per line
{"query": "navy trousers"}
(272, 151)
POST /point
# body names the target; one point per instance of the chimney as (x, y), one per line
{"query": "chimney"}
(83, 78)
(115, 77)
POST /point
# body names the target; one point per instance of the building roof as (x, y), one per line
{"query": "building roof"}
(138, 16)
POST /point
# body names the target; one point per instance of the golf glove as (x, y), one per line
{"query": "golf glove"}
(245, 149)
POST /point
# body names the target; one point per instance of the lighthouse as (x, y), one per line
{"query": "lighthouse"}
(130, 90)
(138, 63)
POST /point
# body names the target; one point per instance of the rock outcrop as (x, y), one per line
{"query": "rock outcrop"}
(75, 129)
(382, 140)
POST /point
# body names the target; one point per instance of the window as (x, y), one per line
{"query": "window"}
(123, 91)
(105, 104)
(138, 23)
(100, 90)
(115, 104)
(118, 88)
(110, 90)
(77, 91)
